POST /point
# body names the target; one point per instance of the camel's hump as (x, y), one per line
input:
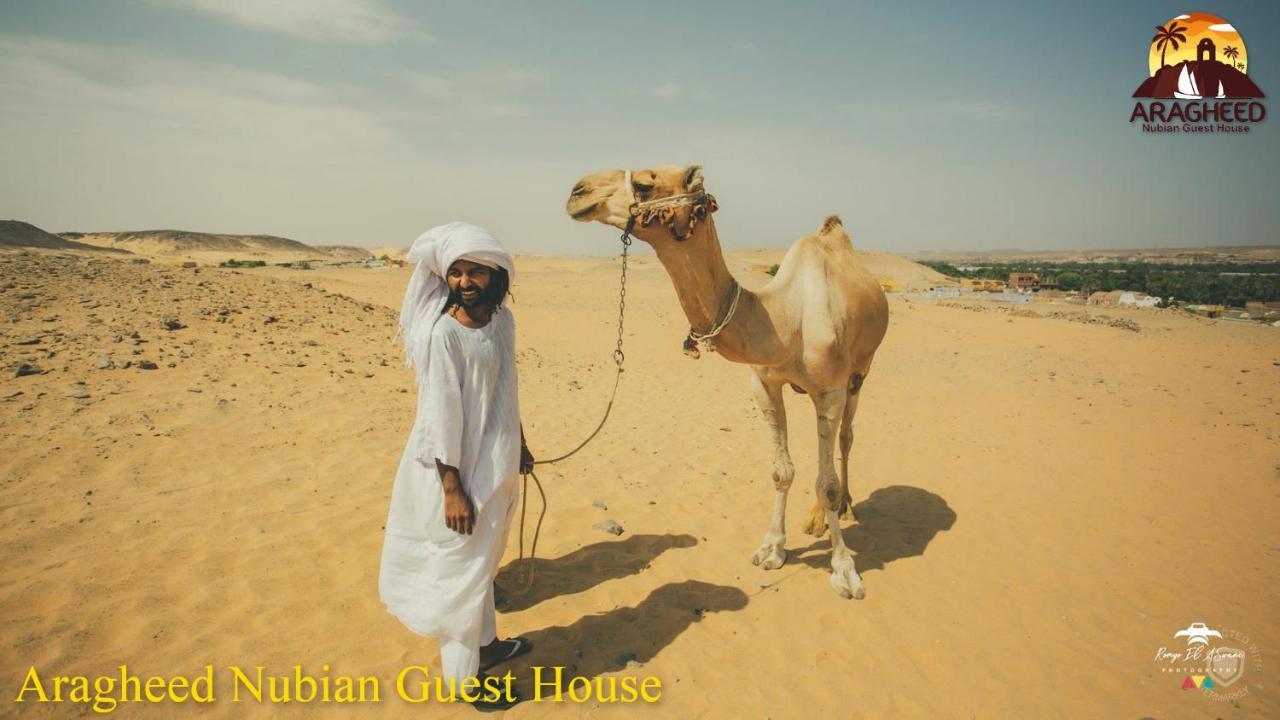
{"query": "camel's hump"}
(832, 230)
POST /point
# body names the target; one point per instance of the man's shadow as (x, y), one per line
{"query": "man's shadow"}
(898, 521)
(608, 642)
(581, 569)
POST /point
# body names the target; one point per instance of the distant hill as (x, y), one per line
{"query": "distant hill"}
(18, 234)
(393, 252)
(347, 252)
(198, 245)
(215, 247)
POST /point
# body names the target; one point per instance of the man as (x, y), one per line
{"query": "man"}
(455, 491)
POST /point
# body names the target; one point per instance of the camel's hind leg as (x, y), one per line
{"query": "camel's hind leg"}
(772, 553)
(817, 524)
(830, 406)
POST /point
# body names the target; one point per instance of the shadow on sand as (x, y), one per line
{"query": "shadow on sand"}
(896, 522)
(607, 642)
(582, 569)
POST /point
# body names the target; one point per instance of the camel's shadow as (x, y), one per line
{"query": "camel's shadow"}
(896, 522)
(609, 641)
(582, 569)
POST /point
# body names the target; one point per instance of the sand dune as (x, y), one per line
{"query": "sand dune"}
(1040, 503)
(15, 234)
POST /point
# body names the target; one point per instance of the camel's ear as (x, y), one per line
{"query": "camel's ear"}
(693, 178)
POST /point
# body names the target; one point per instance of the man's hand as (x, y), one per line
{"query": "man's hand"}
(526, 460)
(459, 513)
(526, 457)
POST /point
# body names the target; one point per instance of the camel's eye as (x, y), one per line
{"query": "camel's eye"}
(642, 188)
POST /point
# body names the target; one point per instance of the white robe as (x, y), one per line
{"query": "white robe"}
(432, 578)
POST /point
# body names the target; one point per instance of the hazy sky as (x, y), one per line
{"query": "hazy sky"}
(940, 125)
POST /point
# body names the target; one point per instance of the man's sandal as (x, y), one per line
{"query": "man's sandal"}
(500, 702)
(519, 646)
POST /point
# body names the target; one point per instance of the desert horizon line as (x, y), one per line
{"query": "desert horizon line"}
(858, 246)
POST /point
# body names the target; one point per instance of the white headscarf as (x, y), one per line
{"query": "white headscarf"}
(434, 251)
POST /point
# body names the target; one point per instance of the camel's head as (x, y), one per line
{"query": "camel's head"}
(658, 205)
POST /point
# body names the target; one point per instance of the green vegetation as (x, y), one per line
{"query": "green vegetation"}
(1205, 283)
(233, 263)
(773, 269)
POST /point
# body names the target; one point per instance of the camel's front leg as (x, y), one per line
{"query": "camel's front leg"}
(772, 553)
(830, 406)
(817, 524)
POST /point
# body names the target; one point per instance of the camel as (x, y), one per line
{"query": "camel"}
(815, 327)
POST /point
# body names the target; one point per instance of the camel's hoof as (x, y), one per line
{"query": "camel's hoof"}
(769, 556)
(847, 584)
(817, 525)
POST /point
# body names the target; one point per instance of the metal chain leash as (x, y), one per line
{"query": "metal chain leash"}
(618, 358)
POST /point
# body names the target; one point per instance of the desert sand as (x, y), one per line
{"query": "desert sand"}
(1040, 503)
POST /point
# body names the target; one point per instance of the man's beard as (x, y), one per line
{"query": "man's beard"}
(478, 300)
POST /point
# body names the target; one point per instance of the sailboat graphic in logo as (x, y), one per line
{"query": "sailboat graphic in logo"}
(1197, 56)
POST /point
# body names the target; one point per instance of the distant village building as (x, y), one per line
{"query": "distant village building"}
(1263, 310)
(1117, 298)
(1028, 282)
(1139, 299)
(982, 285)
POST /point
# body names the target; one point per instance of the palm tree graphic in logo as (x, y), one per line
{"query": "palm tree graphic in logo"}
(1169, 36)
(1232, 53)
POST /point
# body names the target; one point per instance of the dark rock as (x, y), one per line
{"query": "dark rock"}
(27, 369)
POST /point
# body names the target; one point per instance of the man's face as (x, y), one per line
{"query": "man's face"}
(468, 282)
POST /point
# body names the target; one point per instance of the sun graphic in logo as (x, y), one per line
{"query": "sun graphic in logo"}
(1197, 56)
(1182, 37)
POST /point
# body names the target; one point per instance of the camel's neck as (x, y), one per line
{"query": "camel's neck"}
(705, 288)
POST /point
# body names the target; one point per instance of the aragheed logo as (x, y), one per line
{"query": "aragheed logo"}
(1200, 58)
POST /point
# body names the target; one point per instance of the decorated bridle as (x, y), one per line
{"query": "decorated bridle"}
(663, 209)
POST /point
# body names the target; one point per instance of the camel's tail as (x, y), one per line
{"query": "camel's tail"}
(832, 230)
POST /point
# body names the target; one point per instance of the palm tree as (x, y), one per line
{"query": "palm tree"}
(1231, 52)
(1169, 36)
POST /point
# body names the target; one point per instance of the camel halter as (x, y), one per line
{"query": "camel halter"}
(647, 211)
